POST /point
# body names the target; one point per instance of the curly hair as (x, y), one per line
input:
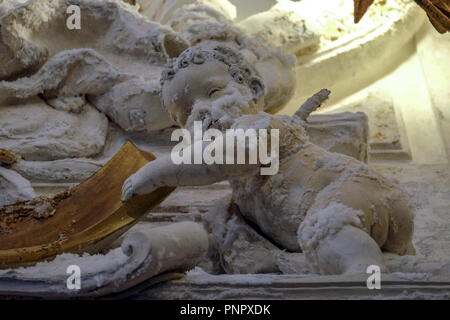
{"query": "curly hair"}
(240, 70)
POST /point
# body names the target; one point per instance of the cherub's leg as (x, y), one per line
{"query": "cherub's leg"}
(235, 245)
(335, 243)
(401, 225)
(351, 250)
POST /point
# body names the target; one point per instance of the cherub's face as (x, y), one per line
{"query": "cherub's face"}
(208, 84)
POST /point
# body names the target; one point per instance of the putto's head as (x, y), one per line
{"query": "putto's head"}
(215, 77)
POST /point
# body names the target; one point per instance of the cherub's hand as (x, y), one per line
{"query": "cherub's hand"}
(136, 184)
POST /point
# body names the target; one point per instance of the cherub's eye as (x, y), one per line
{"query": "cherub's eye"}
(212, 91)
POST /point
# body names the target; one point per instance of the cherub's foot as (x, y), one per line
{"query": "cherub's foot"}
(349, 251)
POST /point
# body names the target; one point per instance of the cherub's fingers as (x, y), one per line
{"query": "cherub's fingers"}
(126, 185)
(127, 195)
(127, 190)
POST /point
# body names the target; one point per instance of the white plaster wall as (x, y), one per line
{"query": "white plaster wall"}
(433, 50)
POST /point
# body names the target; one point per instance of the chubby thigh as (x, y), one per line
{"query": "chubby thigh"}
(359, 201)
(388, 215)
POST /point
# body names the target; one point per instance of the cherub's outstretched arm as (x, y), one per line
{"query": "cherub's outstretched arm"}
(164, 172)
(312, 104)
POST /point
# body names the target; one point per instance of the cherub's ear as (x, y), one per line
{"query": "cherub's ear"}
(173, 45)
(257, 86)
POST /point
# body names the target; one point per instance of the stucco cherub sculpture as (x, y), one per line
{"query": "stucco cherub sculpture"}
(332, 207)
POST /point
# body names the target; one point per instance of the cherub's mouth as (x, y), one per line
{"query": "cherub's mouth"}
(220, 114)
